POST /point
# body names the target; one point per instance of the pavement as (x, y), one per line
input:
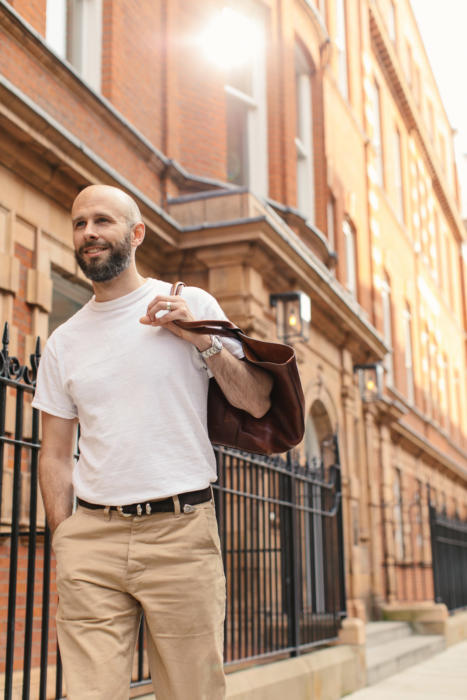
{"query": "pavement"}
(441, 677)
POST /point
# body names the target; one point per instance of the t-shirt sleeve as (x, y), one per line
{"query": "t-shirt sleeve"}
(209, 308)
(50, 394)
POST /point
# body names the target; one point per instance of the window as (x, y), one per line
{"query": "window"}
(431, 121)
(331, 221)
(387, 328)
(341, 44)
(446, 393)
(409, 64)
(398, 517)
(417, 85)
(350, 258)
(74, 32)
(398, 176)
(408, 355)
(67, 298)
(304, 136)
(322, 9)
(247, 122)
(457, 393)
(377, 134)
(392, 30)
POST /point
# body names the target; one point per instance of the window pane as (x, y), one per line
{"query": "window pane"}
(341, 43)
(350, 261)
(237, 142)
(398, 176)
(377, 140)
(67, 298)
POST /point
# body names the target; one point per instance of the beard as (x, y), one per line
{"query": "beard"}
(117, 260)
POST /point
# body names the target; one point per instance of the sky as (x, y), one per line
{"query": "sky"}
(443, 26)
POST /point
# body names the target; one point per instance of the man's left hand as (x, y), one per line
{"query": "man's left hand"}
(162, 311)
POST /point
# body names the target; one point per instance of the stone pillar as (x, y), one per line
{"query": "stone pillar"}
(373, 490)
(387, 512)
(351, 497)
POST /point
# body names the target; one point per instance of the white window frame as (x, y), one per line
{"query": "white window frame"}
(350, 257)
(408, 351)
(341, 44)
(378, 134)
(304, 137)
(56, 26)
(386, 306)
(392, 22)
(256, 122)
(331, 221)
(399, 176)
(74, 32)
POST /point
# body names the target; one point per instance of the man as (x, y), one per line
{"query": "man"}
(144, 535)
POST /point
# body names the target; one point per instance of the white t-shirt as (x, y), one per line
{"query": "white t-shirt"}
(140, 394)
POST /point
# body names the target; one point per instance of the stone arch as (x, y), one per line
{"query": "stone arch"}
(320, 425)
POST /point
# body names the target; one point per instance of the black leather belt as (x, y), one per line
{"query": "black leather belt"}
(164, 505)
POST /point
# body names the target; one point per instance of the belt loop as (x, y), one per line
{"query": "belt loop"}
(177, 509)
(107, 514)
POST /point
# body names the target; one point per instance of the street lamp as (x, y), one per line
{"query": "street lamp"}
(370, 380)
(293, 315)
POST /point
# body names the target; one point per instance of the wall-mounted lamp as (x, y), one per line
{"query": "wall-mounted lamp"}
(370, 381)
(293, 315)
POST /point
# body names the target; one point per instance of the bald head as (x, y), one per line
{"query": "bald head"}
(104, 195)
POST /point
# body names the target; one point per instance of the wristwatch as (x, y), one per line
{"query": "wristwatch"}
(214, 349)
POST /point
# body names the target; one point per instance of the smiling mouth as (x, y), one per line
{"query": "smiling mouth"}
(94, 250)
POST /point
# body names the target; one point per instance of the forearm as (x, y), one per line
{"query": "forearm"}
(243, 385)
(56, 488)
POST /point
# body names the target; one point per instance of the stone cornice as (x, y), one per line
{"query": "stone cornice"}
(419, 444)
(345, 322)
(55, 161)
(389, 63)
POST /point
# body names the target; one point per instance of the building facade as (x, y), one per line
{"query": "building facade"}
(322, 162)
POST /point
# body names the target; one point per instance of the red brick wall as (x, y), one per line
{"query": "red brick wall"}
(33, 11)
(76, 111)
(133, 63)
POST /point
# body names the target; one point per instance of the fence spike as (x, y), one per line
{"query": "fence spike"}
(6, 338)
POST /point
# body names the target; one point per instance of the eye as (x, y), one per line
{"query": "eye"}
(101, 219)
(79, 224)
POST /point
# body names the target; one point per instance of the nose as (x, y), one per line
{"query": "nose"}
(88, 232)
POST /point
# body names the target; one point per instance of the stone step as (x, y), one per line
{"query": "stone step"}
(384, 660)
(382, 632)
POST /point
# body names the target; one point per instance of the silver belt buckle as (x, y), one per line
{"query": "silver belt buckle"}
(121, 511)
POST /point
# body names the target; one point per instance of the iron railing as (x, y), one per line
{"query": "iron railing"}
(449, 553)
(281, 535)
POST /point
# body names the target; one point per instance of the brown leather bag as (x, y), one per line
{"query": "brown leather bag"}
(283, 425)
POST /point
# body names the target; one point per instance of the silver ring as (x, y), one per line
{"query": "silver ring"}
(169, 306)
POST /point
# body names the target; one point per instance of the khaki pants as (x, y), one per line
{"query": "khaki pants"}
(111, 568)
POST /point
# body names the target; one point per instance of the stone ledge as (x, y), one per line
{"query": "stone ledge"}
(429, 618)
(327, 674)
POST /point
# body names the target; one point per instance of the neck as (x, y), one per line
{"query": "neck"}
(126, 282)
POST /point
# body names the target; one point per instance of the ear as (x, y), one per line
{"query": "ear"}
(137, 234)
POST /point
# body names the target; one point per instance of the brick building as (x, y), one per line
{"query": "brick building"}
(323, 163)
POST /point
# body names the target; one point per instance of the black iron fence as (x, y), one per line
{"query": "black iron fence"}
(281, 534)
(449, 552)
